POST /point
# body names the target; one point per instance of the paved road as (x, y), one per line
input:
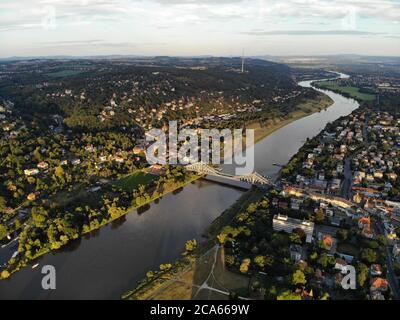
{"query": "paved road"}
(348, 179)
(345, 191)
(391, 277)
(394, 283)
(365, 131)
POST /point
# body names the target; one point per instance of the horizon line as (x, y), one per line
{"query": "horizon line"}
(52, 57)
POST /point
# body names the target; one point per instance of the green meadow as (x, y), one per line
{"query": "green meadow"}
(353, 92)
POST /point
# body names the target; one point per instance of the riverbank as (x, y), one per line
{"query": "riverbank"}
(303, 110)
(169, 188)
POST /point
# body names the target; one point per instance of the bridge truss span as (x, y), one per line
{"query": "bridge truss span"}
(252, 178)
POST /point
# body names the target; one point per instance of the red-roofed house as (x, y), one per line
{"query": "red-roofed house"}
(379, 284)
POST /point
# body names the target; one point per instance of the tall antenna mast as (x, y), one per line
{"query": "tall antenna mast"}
(243, 61)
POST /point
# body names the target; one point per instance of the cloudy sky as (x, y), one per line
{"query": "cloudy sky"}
(199, 27)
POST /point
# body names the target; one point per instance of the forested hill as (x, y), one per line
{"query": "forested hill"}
(99, 94)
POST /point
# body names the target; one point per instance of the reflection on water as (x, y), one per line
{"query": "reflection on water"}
(109, 261)
(117, 223)
(145, 208)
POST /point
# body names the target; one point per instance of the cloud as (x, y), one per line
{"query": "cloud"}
(189, 24)
(96, 43)
(309, 33)
(24, 14)
(197, 2)
(393, 36)
(334, 9)
(87, 43)
(71, 42)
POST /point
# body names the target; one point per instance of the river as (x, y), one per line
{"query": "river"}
(111, 260)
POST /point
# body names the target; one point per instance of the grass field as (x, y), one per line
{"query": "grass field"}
(63, 73)
(133, 181)
(353, 92)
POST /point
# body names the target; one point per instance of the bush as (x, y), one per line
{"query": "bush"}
(4, 274)
(244, 267)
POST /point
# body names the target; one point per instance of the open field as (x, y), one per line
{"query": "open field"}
(63, 73)
(353, 92)
(134, 180)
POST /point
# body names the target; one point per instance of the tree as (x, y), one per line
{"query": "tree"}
(244, 267)
(252, 208)
(295, 238)
(5, 274)
(190, 245)
(165, 266)
(59, 173)
(368, 255)
(362, 274)
(323, 260)
(3, 204)
(325, 296)
(288, 295)
(230, 260)
(39, 216)
(3, 231)
(298, 277)
(320, 216)
(279, 240)
(263, 261)
(222, 238)
(342, 234)
(114, 211)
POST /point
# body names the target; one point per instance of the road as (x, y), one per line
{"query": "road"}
(348, 179)
(365, 131)
(391, 276)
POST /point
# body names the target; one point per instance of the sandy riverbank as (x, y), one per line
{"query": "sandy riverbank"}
(304, 109)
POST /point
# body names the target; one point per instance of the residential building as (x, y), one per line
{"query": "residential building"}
(284, 223)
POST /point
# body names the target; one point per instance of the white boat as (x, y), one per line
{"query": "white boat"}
(35, 265)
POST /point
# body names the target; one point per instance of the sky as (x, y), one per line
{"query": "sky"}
(199, 27)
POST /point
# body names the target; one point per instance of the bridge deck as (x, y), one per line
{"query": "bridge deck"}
(228, 182)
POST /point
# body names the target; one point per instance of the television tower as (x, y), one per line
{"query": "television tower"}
(243, 61)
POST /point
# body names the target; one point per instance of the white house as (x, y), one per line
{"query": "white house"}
(284, 223)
